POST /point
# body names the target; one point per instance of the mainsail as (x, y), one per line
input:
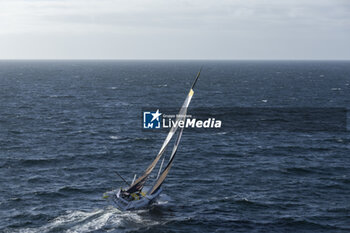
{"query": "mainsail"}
(139, 183)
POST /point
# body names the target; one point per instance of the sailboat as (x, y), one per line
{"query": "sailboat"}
(136, 196)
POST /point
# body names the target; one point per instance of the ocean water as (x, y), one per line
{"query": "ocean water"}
(67, 126)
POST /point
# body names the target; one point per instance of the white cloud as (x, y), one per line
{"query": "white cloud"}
(223, 27)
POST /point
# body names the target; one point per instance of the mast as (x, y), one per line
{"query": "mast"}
(139, 183)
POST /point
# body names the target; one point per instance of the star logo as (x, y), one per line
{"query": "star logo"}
(156, 115)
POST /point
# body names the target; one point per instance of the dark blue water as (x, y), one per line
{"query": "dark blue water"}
(65, 127)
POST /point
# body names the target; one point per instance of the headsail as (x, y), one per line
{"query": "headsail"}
(139, 183)
(166, 170)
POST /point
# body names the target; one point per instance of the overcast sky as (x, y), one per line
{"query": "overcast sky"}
(175, 29)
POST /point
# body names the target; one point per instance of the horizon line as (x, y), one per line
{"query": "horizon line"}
(164, 59)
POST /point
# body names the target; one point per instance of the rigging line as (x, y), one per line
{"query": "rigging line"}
(122, 178)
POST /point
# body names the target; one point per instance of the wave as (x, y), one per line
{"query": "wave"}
(39, 162)
(115, 137)
(61, 96)
(107, 219)
(125, 139)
